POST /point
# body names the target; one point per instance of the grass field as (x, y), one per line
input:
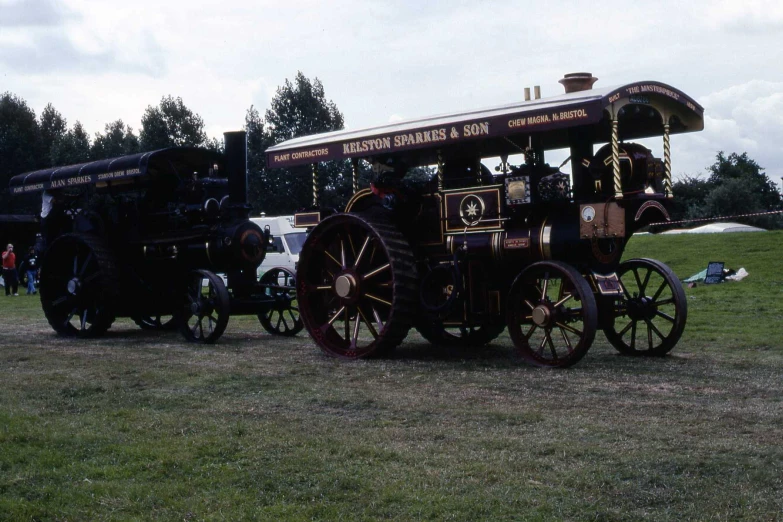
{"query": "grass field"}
(139, 425)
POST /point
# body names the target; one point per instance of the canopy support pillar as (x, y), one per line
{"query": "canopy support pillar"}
(667, 163)
(355, 175)
(618, 184)
(440, 171)
(316, 195)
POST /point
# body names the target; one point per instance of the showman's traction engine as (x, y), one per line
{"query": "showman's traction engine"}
(466, 253)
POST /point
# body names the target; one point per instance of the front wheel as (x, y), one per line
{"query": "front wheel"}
(552, 315)
(282, 317)
(650, 316)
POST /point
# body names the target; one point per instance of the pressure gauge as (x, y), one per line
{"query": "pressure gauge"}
(588, 214)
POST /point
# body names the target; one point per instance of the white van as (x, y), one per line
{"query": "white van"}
(286, 242)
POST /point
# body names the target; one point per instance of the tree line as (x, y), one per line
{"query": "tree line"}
(299, 107)
(735, 184)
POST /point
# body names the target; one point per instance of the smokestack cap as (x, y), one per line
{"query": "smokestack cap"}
(581, 81)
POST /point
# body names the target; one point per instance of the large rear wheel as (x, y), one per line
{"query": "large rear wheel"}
(552, 314)
(356, 286)
(79, 286)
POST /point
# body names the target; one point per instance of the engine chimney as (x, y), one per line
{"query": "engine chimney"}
(236, 166)
(581, 81)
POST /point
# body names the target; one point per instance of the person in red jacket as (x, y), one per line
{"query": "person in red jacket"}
(9, 270)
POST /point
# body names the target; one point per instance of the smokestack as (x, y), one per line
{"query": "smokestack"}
(236, 166)
(527, 93)
(537, 92)
(581, 81)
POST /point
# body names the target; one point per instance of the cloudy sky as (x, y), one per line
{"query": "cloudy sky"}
(380, 61)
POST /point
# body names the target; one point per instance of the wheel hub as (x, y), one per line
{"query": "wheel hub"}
(541, 315)
(345, 286)
(74, 285)
(641, 308)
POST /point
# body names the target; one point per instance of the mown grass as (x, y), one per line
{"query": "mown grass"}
(144, 426)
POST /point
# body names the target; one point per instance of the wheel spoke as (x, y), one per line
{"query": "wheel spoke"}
(546, 285)
(342, 254)
(530, 332)
(659, 291)
(84, 320)
(530, 305)
(665, 302)
(646, 282)
(570, 329)
(361, 252)
(625, 290)
(563, 300)
(638, 280)
(285, 323)
(543, 343)
(551, 345)
(330, 256)
(75, 265)
(347, 322)
(376, 271)
(368, 323)
(377, 318)
(60, 300)
(627, 327)
(86, 262)
(665, 316)
(652, 328)
(565, 339)
(355, 338)
(335, 316)
(376, 298)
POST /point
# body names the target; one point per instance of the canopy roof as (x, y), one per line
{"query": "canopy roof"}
(505, 129)
(178, 160)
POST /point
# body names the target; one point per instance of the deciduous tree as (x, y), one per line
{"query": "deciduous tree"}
(18, 141)
(300, 108)
(171, 124)
(52, 127)
(118, 139)
(73, 147)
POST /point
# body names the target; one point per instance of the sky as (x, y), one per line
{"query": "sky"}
(382, 61)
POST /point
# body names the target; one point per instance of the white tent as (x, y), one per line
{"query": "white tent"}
(714, 228)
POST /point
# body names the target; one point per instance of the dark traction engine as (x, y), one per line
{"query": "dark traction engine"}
(145, 236)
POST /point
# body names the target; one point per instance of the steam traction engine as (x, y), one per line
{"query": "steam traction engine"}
(145, 236)
(469, 252)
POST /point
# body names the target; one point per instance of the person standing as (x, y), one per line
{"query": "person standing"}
(30, 264)
(9, 270)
